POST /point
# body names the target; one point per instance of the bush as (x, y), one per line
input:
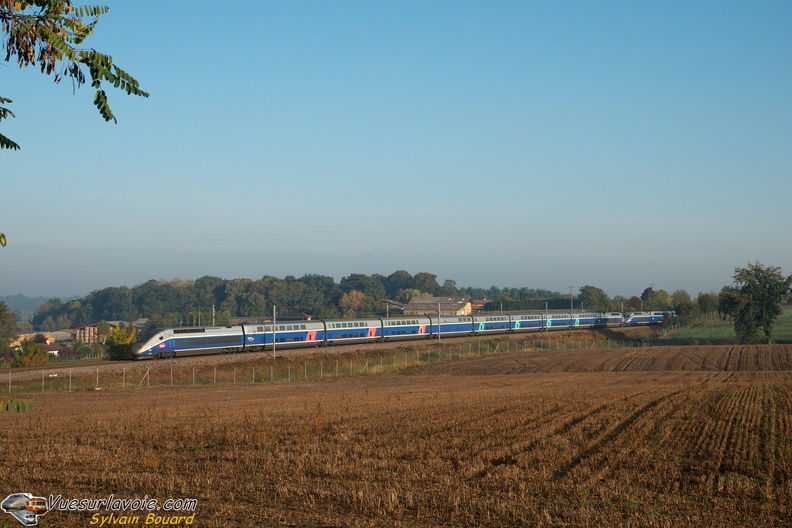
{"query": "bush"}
(119, 351)
(29, 355)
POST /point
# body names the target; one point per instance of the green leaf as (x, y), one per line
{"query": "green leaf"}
(56, 42)
(90, 11)
(6, 143)
(100, 100)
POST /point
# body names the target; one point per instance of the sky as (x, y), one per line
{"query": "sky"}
(533, 144)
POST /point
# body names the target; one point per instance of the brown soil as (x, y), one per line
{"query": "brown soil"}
(695, 436)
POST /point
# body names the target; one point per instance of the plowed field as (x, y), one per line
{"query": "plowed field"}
(692, 436)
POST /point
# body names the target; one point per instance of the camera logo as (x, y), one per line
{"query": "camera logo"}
(25, 507)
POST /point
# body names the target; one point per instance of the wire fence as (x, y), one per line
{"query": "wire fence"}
(265, 369)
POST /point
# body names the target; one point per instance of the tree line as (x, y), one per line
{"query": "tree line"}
(752, 302)
(207, 299)
(213, 299)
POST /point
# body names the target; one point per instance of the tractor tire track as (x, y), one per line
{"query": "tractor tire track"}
(604, 442)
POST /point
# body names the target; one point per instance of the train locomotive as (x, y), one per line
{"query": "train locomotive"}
(255, 337)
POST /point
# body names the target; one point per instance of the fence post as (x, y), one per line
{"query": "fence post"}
(70, 372)
(97, 377)
(123, 379)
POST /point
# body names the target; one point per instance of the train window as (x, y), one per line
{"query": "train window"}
(259, 329)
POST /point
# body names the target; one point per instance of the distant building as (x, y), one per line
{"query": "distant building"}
(89, 334)
(31, 337)
(430, 306)
(86, 334)
(478, 304)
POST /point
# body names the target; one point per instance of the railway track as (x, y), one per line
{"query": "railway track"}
(83, 368)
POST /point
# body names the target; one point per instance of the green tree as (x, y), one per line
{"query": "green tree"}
(707, 302)
(29, 354)
(50, 34)
(371, 287)
(594, 299)
(448, 289)
(8, 326)
(103, 331)
(397, 281)
(405, 295)
(754, 301)
(121, 339)
(658, 300)
(427, 283)
(682, 303)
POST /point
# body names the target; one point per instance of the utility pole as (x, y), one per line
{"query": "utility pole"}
(547, 315)
(438, 322)
(273, 331)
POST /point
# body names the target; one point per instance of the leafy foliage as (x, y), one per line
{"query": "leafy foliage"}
(121, 338)
(49, 33)
(350, 302)
(212, 300)
(8, 327)
(121, 335)
(754, 302)
(5, 143)
(594, 299)
(29, 355)
(18, 406)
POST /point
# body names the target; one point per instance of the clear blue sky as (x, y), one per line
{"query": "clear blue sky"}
(531, 143)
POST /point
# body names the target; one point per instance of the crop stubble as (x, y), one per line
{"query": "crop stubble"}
(696, 436)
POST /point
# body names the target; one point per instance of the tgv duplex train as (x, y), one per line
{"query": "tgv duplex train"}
(188, 341)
